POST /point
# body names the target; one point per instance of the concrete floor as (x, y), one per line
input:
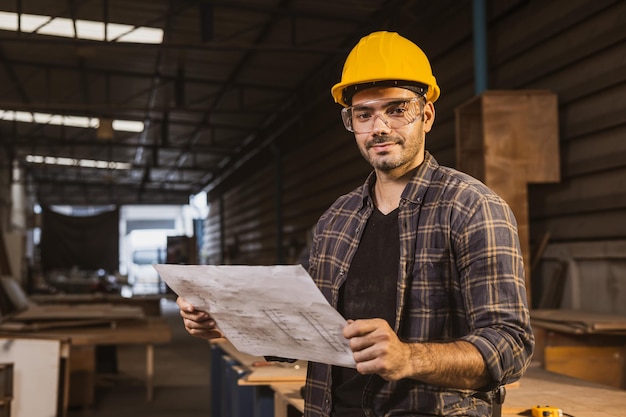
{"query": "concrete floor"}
(182, 381)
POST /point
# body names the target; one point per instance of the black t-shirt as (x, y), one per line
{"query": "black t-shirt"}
(369, 292)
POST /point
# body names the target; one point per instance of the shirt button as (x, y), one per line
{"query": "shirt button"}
(341, 272)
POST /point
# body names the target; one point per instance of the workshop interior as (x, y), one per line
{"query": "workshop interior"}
(203, 132)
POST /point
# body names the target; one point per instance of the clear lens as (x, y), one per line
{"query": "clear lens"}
(394, 112)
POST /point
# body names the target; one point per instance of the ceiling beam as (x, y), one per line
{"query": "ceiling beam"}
(119, 110)
(113, 72)
(178, 46)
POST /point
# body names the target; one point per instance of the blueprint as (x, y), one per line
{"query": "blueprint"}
(265, 310)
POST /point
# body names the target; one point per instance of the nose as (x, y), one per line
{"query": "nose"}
(380, 127)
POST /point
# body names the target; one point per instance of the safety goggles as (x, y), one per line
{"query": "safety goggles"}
(394, 112)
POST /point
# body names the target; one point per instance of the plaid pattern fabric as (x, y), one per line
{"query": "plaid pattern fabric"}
(460, 277)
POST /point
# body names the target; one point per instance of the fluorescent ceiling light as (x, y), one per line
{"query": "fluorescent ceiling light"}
(128, 126)
(84, 163)
(85, 29)
(73, 121)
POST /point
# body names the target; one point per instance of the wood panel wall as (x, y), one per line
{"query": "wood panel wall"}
(576, 49)
(6, 176)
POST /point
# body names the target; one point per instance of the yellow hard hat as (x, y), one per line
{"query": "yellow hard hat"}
(385, 57)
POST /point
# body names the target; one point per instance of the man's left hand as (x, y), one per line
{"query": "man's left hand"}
(377, 349)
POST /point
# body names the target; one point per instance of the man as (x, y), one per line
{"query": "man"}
(423, 261)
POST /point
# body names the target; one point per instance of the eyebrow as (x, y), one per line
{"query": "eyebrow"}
(389, 103)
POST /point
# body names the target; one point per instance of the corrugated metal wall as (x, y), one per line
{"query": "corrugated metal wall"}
(576, 49)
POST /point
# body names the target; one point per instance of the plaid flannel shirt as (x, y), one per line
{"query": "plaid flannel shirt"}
(460, 277)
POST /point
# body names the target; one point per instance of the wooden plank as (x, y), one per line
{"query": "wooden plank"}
(546, 49)
(603, 70)
(281, 372)
(579, 321)
(53, 312)
(603, 365)
(607, 249)
(133, 332)
(599, 192)
(604, 225)
(602, 110)
(590, 165)
(516, 38)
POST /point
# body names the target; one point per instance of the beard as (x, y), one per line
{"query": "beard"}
(403, 153)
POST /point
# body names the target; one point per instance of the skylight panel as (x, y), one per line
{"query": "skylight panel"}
(72, 121)
(90, 30)
(44, 118)
(58, 27)
(115, 30)
(21, 116)
(85, 29)
(143, 35)
(72, 162)
(8, 21)
(31, 22)
(77, 121)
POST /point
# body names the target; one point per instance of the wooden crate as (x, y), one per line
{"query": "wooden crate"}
(602, 364)
(508, 139)
(565, 347)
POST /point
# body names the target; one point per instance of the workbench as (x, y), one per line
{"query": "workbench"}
(288, 401)
(240, 389)
(78, 360)
(241, 384)
(150, 304)
(576, 397)
(581, 344)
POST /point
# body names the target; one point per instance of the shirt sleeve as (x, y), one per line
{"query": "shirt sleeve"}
(491, 275)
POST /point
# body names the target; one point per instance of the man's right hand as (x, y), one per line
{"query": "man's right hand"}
(198, 323)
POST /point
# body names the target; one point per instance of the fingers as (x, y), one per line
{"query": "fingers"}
(184, 305)
(368, 338)
(195, 315)
(197, 322)
(188, 311)
(376, 348)
(359, 328)
(206, 329)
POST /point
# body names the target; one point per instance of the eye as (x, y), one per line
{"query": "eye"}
(362, 115)
(398, 110)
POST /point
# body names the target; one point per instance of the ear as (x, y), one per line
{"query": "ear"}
(429, 116)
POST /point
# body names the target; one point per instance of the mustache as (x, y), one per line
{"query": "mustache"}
(378, 139)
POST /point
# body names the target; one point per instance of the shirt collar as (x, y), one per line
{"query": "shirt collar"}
(367, 199)
(416, 188)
